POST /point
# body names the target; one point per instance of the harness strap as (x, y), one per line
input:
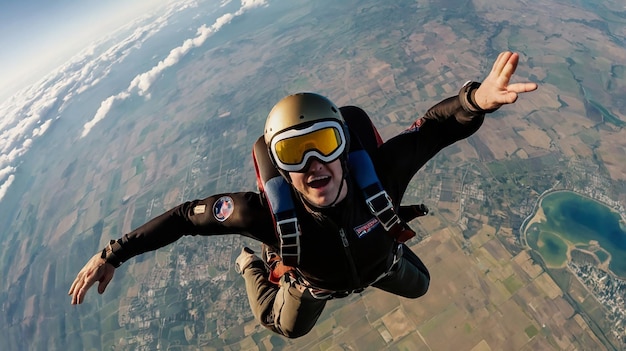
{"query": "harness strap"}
(377, 198)
(279, 194)
(280, 200)
(323, 294)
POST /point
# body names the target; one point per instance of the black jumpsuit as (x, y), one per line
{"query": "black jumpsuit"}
(343, 248)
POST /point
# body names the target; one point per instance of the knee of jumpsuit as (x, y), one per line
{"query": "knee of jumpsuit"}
(417, 270)
(407, 280)
(422, 289)
(286, 309)
(261, 293)
(415, 286)
(295, 310)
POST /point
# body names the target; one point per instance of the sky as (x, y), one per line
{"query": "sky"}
(37, 36)
(59, 69)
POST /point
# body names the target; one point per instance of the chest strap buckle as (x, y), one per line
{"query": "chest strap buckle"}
(381, 206)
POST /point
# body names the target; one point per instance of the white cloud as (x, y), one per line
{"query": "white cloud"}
(249, 4)
(5, 186)
(29, 113)
(27, 143)
(39, 131)
(9, 157)
(142, 82)
(225, 2)
(220, 22)
(18, 126)
(104, 109)
(6, 171)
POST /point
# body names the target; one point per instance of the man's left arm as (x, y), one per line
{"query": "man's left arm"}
(450, 120)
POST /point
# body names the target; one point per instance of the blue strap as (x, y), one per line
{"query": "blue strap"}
(362, 168)
(278, 195)
(377, 199)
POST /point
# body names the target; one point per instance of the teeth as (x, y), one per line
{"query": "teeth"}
(318, 178)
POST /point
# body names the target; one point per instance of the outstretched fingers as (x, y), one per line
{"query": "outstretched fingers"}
(509, 68)
(80, 286)
(501, 62)
(508, 97)
(522, 87)
(495, 90)
(93, 271)
(511, 94)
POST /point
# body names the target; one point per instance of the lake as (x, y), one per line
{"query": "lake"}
(566, 220)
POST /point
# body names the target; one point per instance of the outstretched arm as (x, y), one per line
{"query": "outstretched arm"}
(449, 121)
(241, 213)
(495, 90)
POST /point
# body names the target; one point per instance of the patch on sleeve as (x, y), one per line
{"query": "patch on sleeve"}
(200, 209)
(223, 208)
(415, 126)
(419, 123)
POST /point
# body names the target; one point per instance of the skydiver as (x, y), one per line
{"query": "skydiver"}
(342, 246)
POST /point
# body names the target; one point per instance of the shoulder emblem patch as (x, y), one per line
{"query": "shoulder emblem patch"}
(415, 126)
(223, 208)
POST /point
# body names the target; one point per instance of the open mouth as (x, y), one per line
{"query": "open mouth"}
(319, 182)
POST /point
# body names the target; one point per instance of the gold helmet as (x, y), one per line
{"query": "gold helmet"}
(305, 125)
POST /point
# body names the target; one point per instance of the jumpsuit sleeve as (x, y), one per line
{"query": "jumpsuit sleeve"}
(399, 159)
(241, 213)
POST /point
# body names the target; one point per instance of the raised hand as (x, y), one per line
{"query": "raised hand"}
(495, 90)
(96, 270)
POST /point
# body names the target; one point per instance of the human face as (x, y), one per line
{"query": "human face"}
(320, 183)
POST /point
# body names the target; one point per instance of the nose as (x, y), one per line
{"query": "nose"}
(314, 164)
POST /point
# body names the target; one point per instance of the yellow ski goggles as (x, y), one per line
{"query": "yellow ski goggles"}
(293, 148)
